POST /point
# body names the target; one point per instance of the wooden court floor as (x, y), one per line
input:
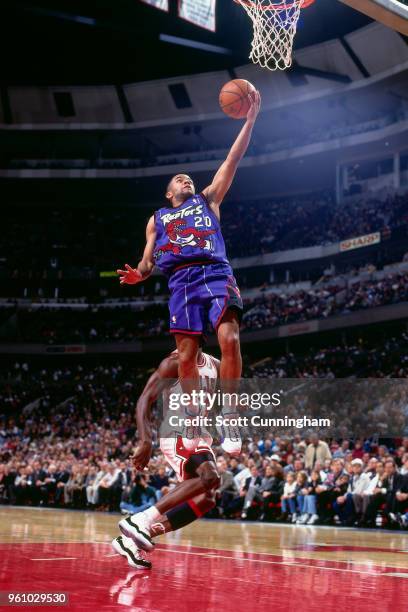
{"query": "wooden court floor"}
(208, 566)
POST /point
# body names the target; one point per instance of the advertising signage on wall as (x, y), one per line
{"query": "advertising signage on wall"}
(199, 12)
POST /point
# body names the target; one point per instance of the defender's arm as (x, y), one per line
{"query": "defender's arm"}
(157, 382)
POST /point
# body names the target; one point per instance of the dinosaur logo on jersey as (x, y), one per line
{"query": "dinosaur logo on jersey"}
(181, 236)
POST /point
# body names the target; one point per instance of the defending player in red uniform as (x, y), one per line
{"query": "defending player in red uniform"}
(195, 469)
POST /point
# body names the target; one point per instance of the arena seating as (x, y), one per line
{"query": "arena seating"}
(51, 457)
(114, 236)
(61, 323)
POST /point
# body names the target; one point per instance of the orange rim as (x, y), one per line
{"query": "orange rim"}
(279, 6)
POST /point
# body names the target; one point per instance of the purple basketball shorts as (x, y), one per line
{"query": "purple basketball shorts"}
(200, 295)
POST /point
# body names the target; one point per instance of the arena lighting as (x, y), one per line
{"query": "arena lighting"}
(194, 44)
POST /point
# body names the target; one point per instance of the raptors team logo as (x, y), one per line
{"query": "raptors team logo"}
(181, 236)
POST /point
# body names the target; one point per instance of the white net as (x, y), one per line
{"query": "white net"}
(275, 26)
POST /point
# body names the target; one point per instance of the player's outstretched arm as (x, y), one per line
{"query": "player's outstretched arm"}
(222, 181)
(131, 276)
(162, 378)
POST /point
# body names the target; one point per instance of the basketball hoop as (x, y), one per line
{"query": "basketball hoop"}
(275, 25)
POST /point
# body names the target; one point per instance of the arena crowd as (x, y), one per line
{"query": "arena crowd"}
(298, 480)
(59, 325)
(67, 434)
(249, 228)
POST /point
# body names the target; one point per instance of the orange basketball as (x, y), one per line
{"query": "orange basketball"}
(234, 98)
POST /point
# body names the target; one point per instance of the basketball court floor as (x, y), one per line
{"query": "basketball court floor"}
(208, 566)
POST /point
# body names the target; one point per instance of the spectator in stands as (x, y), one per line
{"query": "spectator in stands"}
(227, 490)
(348, 507)
(298, 465)
(317, 450)
(107, 487)
(23, 486)
(309, 515)
(121, 482)
(322, 469)
(391, 492)
(9, 478)
(49, 486)
(404, 464)
(249, 490)
(61, 478)
(301, 482)
(272, 490)
(329, 490)
(371, 468)
(244, 473)
(74, 486)
(160, 480)
(3, 478)
(373, 489)
(234, 466)
(92, 490)
(289, 497)
(358, 450)
(39, 476)
(142, 496)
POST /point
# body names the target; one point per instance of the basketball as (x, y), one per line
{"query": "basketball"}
(234, 98)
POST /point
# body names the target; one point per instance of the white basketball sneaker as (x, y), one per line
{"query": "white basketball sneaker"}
(230, 435)
(127, 548)
(137, 528)
(313, 519)
(192, 433)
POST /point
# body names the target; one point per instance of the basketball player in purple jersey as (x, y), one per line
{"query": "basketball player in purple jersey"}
(185, 242)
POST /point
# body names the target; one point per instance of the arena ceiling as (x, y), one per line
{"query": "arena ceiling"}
(106, 41)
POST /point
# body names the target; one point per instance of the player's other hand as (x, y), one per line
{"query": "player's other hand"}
(129, 276)
(141, 455)
(254, 105)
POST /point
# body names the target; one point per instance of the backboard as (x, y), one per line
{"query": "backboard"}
(392, 13)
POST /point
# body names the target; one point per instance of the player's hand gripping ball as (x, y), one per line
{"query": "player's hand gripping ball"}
(239, 99)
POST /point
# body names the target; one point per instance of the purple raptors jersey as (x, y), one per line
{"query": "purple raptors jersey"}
(188, 234)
